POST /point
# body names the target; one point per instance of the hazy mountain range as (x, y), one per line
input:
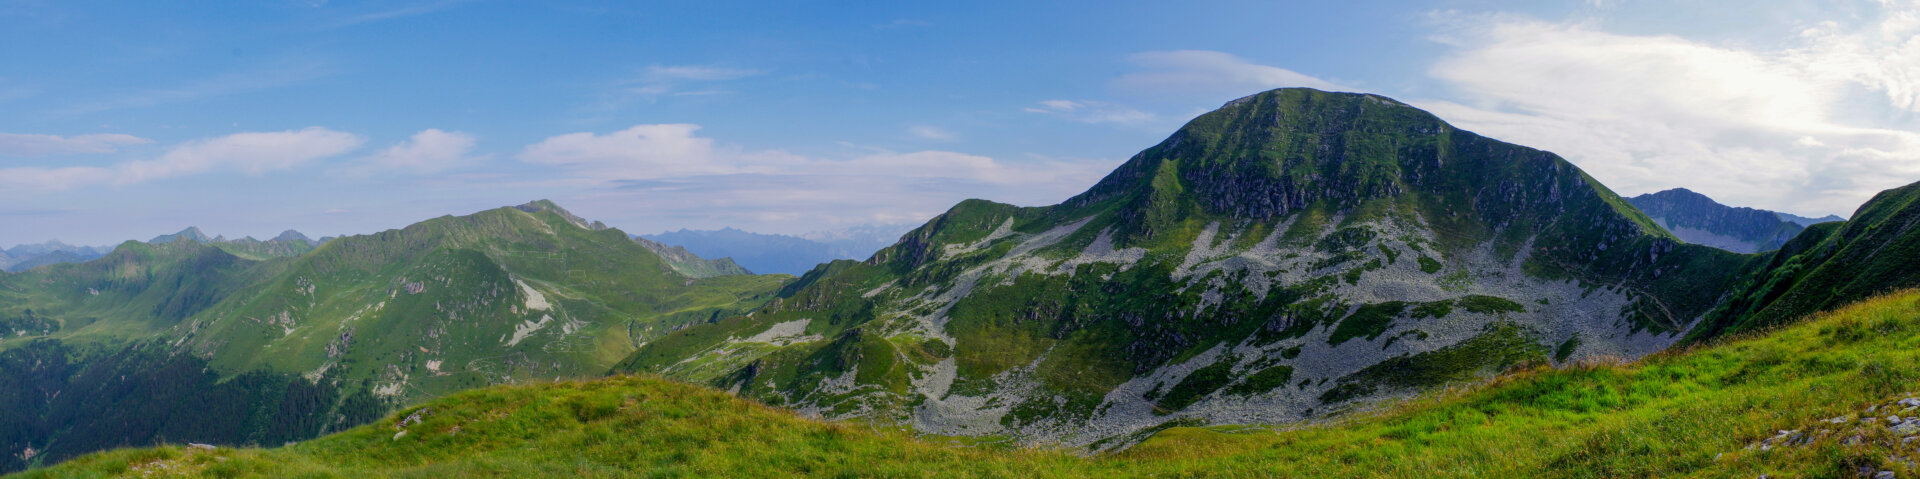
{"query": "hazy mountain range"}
(771, 253)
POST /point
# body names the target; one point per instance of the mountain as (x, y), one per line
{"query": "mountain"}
(1698, 219)
(28, 256)
(860, 241)
(691, 264)
(190, 341)
(29, 250)
(24, 257)
(1805, 221)
(795, 255)
(1292, 254)
(1805, 400)
(53, 257)
(288, 243)
(1829, 265)
(192, 233)
(759, 252)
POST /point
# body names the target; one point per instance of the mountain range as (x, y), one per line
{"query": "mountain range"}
(1805, 221)
(296, 345)
(28, 256)
(1317, 262)
(795, 255)
(1694, 218)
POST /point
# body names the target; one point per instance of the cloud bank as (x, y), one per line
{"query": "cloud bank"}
(1810, 128)
(252, 153)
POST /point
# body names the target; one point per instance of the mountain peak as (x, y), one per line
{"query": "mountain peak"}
(1308, 92)
(1281, 151)
(545, 205)
(192, 233)
(291, 235)
(1698, 219)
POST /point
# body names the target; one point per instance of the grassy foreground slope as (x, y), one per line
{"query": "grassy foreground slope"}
(1680, 414)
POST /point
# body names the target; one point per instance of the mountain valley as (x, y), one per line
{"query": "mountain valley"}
(1298, 271)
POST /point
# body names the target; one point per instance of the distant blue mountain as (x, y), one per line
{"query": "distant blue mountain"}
(27, 256)
(1697, 219)
(774, 253)
(1805, 221)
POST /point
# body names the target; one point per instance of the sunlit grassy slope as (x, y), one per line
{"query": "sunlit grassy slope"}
(1685, 413)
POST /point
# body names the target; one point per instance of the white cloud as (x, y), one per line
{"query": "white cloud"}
(1884, 56)
(1776, 129)
(429, 151)
(658, 81)
(929, 132)
(1089, 111)
(14, 144)
(642, 152)
(667, 151)
(670, 73)
(249, 153)
(1210, 73)
(260, 77)
(689, 180)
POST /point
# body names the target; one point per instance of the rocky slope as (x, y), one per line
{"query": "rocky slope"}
(1274, 260)
(690, 264)
(1831, 397)
(1697, 219)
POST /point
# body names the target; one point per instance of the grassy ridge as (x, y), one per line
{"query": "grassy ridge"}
(1828, 265)
(1684, 413)
(390, 318)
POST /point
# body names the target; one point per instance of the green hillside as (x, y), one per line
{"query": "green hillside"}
(296, 346)
(1828, 265)
(1275, 260)
(1710, 411)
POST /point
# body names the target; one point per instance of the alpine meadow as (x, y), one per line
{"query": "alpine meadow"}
(1394, 239)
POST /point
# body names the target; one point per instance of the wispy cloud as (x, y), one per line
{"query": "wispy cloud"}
(24, 145)
(422, 8)
(657, 81)
(930, 132)
(248, 153)
(678, 73)
(1089, 111)
(903, 23)
(1210, 73)
(274, 75)
(1790, 128)
(427, 152)
(679, 174)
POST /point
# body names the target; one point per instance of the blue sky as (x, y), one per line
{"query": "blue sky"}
(130, 119)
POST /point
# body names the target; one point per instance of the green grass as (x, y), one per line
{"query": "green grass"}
(1429, 265)
(1367, 321)
(1669, 415)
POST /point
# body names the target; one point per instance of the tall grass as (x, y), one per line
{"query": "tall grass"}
(1677, 414)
